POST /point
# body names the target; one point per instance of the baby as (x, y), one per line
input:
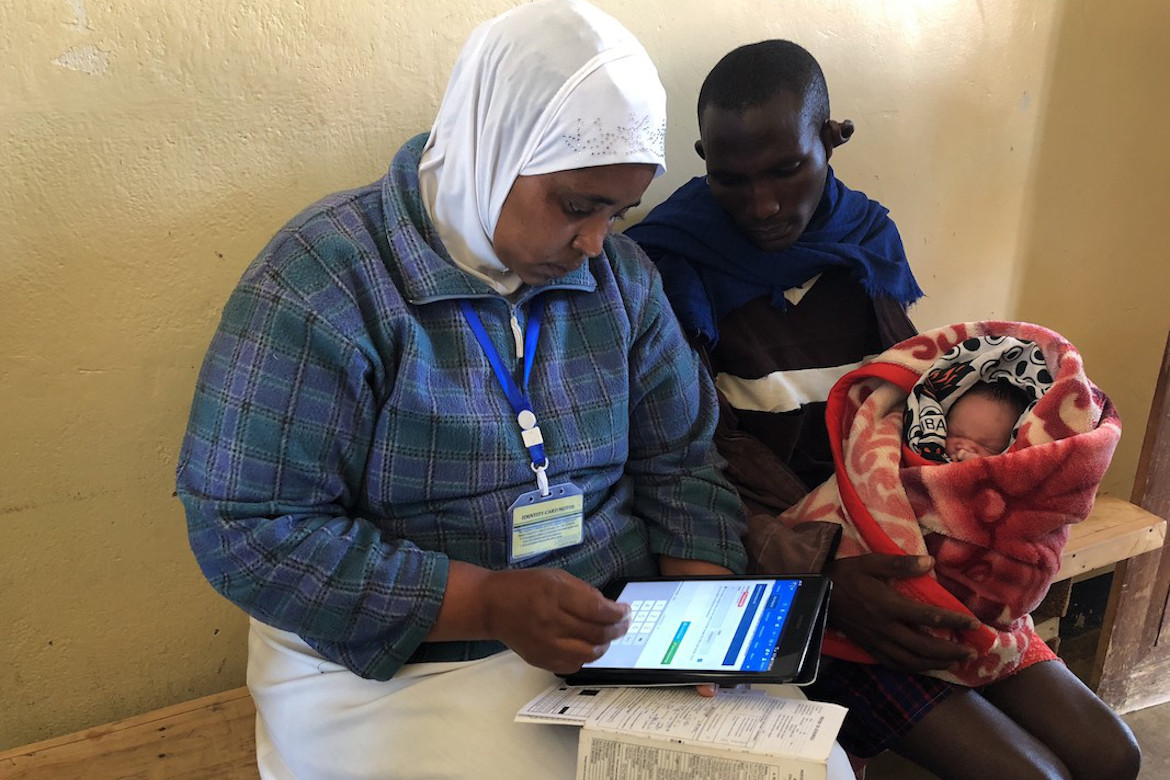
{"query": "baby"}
(980, 423)
(995, 527)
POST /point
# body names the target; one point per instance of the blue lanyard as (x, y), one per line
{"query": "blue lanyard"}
(517, 397)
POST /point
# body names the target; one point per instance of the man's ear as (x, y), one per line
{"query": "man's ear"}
(834, 133)
(699, 149)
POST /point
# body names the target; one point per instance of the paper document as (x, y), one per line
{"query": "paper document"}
(567, 705)
(735, 735)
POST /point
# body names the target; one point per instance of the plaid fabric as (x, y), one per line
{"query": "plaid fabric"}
(348, 436)
(883, 704)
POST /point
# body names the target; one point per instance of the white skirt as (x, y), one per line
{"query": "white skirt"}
(316, 720)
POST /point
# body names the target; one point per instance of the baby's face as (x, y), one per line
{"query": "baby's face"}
(978, 426)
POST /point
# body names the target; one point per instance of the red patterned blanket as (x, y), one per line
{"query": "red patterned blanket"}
(995, 525)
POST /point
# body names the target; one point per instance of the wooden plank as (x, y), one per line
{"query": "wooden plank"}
(1129, 673)
(212, 738)
(1114, 531)
(1132, 669)
(1048, 629)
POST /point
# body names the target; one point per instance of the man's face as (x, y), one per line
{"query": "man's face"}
(766, 167)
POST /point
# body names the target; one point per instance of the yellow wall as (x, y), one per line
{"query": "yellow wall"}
(1095, 262)
(150, 149)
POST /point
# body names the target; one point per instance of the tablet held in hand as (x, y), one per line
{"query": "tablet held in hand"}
(728, 630)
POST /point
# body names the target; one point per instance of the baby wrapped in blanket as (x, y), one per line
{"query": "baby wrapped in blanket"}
(995, 522)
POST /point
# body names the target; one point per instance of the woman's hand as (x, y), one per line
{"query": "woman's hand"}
(888, 625)
(550, 618)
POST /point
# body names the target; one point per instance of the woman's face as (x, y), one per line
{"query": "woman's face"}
(551, 223)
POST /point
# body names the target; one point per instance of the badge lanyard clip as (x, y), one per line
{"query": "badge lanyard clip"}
(517, 397)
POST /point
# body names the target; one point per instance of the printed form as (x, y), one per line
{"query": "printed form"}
(645, 733)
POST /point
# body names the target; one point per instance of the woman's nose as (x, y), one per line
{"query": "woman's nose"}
(590, 238)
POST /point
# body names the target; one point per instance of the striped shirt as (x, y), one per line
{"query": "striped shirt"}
(775, 368)
(348, 436)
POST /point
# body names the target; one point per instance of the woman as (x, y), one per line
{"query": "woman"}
(361, 459)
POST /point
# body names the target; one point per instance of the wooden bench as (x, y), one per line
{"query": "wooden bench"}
(1114, 531)
(213, 738)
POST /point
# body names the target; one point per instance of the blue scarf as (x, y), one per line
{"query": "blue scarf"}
(710, 268)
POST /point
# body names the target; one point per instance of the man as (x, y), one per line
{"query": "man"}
(784, 280)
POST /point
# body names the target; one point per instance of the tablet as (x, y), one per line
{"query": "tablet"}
(728, 630)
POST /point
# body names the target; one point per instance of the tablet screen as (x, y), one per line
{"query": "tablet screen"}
(706, 624)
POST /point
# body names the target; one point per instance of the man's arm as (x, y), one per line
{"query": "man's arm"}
(691, 512)
(681, 567)
(893, 322)
(763, 480)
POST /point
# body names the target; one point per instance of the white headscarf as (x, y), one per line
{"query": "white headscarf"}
(550, 86)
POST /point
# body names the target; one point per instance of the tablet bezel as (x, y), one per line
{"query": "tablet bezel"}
(797, 646)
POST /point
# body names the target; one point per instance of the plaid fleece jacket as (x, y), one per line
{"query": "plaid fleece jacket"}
(348, 436)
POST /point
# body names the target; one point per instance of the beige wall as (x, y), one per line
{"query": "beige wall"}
(150, 149)
(1094, 259)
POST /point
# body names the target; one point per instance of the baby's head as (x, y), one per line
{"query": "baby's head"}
(980, 422)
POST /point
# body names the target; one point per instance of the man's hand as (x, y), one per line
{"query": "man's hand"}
(550, 618)
(888, 625)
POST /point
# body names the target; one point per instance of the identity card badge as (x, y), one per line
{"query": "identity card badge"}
(543, 523)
